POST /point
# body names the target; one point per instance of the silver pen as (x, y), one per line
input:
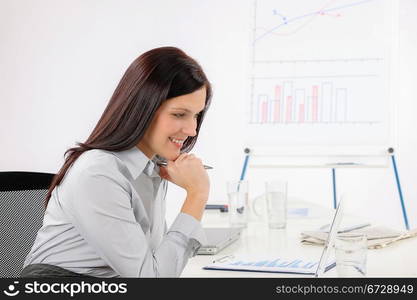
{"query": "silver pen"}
(325, 228)
(223, 259)
(164, 164)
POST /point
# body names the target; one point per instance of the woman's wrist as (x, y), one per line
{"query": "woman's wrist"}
(195, 204)
(197, 193)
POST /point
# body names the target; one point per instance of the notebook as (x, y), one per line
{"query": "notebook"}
(218, 239)
(294, 265)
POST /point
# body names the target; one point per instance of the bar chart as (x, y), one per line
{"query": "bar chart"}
(277, 263)
(274, 265)
(324, 102)
(321, 103)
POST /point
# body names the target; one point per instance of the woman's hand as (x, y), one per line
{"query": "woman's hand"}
(188, 172)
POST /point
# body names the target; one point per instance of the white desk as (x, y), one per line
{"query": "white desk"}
(396, 260)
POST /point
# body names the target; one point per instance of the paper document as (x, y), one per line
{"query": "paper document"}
(274, 265)
(378, 236)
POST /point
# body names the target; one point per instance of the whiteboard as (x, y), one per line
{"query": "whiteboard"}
(322, 77)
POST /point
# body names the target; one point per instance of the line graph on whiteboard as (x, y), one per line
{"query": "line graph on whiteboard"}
(320, 73)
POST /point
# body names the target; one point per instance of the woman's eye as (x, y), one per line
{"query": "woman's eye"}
(178, 115)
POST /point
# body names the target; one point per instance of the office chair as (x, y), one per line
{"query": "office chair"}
(22, 198)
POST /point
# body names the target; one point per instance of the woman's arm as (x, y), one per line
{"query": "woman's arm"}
(99, 204)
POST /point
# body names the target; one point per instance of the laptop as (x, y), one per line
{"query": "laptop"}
(219, 238)
(285, 265)
(328, 244)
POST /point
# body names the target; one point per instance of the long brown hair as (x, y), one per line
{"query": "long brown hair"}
(152, 78)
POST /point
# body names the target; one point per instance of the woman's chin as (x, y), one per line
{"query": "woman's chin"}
(170, 156)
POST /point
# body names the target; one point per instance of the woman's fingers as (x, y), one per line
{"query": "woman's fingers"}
(187, 171)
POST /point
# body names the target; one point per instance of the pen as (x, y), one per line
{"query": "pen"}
(164, 164)
(354, 227)
(325, 228)
(222, 207)
(223, 258)
(242, 176)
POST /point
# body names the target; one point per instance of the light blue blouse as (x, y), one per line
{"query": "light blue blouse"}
(107, 219)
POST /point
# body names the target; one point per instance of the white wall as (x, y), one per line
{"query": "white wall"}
(61, 60)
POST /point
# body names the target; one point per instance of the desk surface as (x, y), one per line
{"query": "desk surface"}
(396, 260)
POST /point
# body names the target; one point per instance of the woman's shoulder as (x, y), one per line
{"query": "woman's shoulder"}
(97, 162)
(94, 172)
(96, 157)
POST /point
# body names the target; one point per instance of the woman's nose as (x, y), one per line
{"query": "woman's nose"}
(190, 128)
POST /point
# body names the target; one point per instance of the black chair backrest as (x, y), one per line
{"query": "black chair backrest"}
(22, 199)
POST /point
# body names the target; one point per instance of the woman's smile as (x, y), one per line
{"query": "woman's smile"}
(177, 142)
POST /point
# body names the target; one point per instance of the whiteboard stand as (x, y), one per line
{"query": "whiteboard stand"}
(248, 152)
(397, 179)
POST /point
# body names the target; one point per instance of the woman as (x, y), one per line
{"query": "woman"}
(105, 214)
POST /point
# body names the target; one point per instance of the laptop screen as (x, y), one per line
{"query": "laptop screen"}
(328, 245)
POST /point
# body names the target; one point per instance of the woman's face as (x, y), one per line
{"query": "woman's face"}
(174, 121)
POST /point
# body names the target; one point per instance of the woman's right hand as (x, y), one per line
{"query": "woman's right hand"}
(188, 172)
